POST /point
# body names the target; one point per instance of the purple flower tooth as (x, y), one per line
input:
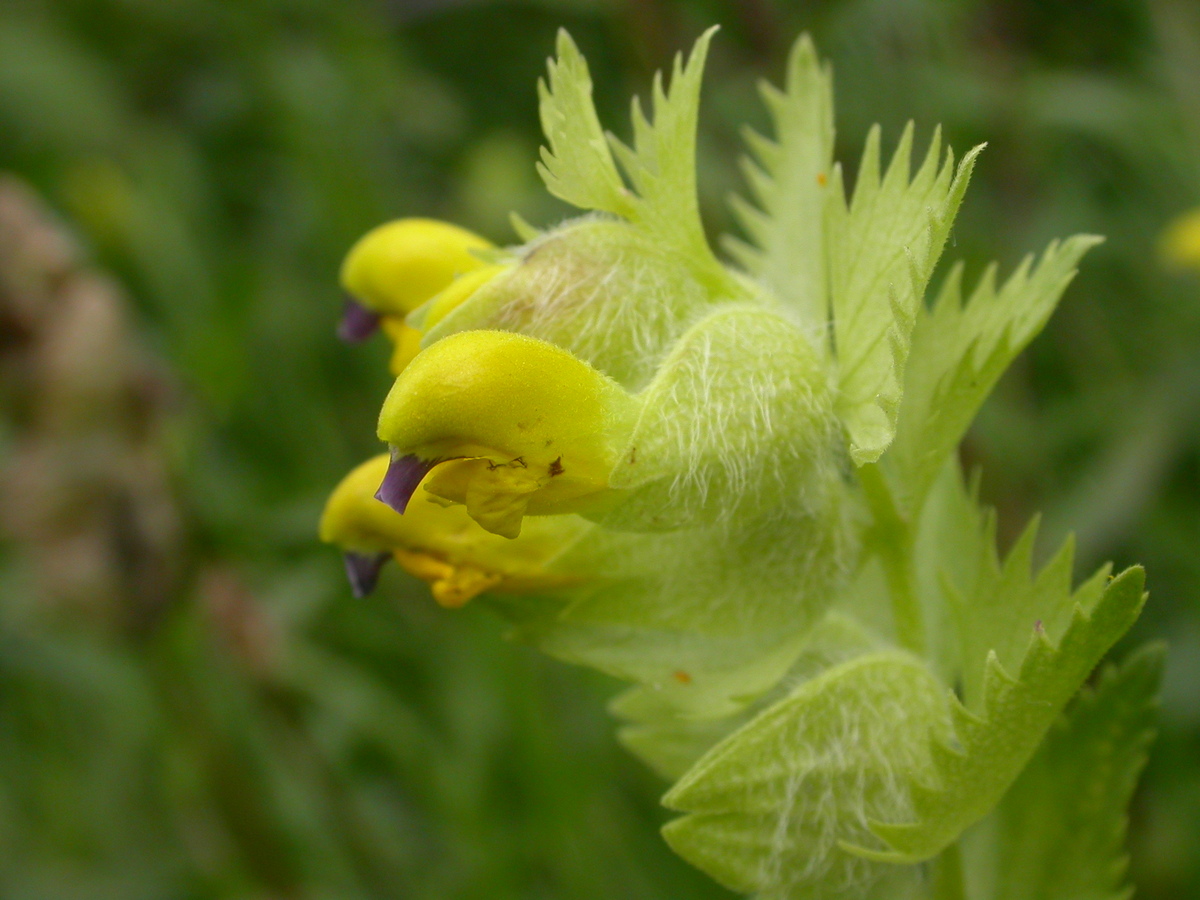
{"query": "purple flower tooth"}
(362, 569)
(358, 323)
(401, 480)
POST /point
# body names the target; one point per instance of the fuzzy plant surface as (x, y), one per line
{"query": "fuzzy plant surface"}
(732, 481)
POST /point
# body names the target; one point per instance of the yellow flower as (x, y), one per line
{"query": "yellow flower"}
(1179, 245)
(505, 424)
(397, 267)
(440, 544)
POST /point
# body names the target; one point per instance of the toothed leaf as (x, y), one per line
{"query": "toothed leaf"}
(1016, 710)
(1060, 830)
(577, 166)
(788, 178)
(661, 164)
(769, 804)
(883, 246)
(960, 350)
(1009, 603)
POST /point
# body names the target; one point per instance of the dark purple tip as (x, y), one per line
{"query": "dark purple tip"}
(403, 475)
(358, 323)
(363, 571)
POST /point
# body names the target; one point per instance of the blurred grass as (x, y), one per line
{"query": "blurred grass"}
(272, 738)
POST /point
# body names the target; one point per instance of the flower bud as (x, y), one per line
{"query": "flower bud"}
(440, 544)
(398, 266)
(509, 425)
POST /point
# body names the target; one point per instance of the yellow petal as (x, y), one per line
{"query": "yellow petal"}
(406, 343)
(498, 496)
(406, 333)
(459, 291)
(452, 586)
(396, 267)
(443, 545)
(545, 427)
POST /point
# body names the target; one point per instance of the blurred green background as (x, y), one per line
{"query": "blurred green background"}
(192, 706)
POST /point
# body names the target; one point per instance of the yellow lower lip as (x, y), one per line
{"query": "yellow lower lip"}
(453, 585)
(498, 495)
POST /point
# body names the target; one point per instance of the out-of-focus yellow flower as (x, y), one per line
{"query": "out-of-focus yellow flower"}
(397, 267)
(1179, 244)
(440, 544)
(509, 425)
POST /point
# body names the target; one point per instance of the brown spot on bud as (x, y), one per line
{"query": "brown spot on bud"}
(681, 676)
(556, 467)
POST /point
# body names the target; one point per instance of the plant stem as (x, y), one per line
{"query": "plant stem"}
(894, 541)
(948, 875)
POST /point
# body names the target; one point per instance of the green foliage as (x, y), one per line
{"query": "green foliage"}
(769, 806)
(989, 750)
(661, 163)
(788, 178)
(883, 246)
(960, 350)
(578, 164)
(794, 801)
(722, 533)
(220, 159)
(1060, 830)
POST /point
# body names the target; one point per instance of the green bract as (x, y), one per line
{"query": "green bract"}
(765, 527)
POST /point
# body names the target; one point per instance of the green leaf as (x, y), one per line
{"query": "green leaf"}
(1008, 603)
(671, 745)
(990, 749)
(788, 178)
(960, 350)
(1060, 830)
(698, 675)
(883, 246)
(769, 804)
(670, 736)
(661, 164)
(577, 166)
(953, 539)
